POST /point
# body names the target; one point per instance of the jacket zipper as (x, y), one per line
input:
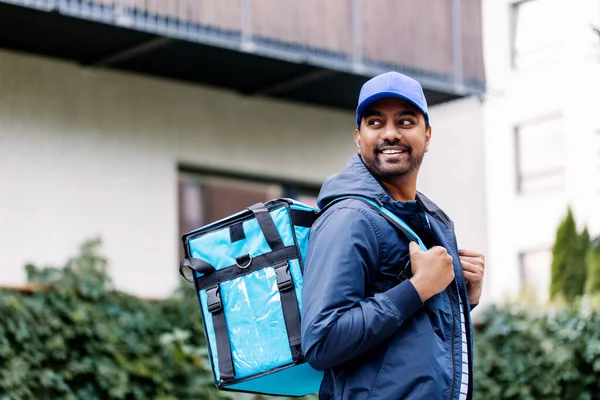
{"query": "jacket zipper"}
(464, 314)
(452, 350)
(453, 314)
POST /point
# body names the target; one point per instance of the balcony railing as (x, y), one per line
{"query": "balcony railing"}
(438, 41)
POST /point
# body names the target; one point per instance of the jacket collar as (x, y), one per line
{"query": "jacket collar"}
(356, 180)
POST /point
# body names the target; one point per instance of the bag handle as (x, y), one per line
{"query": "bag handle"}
(189, 266)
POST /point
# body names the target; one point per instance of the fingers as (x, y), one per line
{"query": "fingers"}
(472, 260)
(471, 277)
(414, 248)
(469, 266)
(473, 273)
(470, 253)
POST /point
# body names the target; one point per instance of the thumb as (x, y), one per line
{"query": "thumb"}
(414, 248)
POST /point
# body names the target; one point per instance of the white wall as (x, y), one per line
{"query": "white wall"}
(453, 175)
(87, 152)
(91, 152)
(565, 81)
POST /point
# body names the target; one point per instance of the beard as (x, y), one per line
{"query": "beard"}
(384, 169)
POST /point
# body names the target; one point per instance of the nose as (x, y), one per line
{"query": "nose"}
(390, 133)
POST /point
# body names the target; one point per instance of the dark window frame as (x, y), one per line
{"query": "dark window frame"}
(289, 189)
(294, 186)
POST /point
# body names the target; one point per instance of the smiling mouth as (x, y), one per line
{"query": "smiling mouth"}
(393, 151)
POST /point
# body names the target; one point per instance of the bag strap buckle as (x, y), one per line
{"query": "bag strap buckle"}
(214, 299)
(284, 279)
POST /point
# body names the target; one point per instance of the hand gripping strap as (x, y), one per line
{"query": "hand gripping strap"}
(396, 222)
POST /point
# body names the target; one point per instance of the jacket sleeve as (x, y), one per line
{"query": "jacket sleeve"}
(339, 322)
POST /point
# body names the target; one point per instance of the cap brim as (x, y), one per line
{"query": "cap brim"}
(382, 95)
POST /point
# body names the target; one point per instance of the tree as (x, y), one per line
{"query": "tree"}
(592, 285)
(569, 252)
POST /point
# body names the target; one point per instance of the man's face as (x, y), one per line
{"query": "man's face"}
(393, 138)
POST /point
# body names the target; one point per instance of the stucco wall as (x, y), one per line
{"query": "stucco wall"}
(86, 152)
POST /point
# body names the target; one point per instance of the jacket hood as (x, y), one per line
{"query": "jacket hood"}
(354, 180)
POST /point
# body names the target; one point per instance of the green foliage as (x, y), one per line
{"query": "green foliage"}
(77, 338)
(569, 269)
(593, 263)
(530, 354)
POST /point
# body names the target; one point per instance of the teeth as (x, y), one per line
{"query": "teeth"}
(392, 151)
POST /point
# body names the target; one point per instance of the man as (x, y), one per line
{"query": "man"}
(377, 334)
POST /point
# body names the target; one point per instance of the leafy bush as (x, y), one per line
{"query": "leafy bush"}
(74, 337)
(529, 354)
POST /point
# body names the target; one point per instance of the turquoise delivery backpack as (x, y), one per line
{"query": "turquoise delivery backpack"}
(247, 270)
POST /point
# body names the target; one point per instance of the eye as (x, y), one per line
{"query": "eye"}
(405, 122)
(373, 122)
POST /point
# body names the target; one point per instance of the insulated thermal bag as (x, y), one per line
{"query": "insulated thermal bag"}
(247, 270)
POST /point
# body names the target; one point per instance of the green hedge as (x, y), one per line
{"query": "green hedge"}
(76, 338)
(524, 352)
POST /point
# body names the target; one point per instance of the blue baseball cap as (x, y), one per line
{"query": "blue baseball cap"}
(391, 84)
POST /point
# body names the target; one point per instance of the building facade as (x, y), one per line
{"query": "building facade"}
(135, 124)
(542, 134)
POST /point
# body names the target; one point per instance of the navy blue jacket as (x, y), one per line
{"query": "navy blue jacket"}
(366, 328)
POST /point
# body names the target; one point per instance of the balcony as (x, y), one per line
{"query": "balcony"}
(312, 51)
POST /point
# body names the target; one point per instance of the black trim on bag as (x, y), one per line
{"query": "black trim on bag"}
(303, 218)
(236, 232)
(187, 254)
(289, 306)
(242, 216)
(267, 225)
(205, 329)
(291, 217)
(225, 387)
(257, 263)
(215, 307)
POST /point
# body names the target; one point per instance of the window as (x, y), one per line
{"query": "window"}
(535, 272)
(205, 197)
(536, 31)
(540, 155)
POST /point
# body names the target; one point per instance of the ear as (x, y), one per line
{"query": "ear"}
(357, 137)
(427, 138)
